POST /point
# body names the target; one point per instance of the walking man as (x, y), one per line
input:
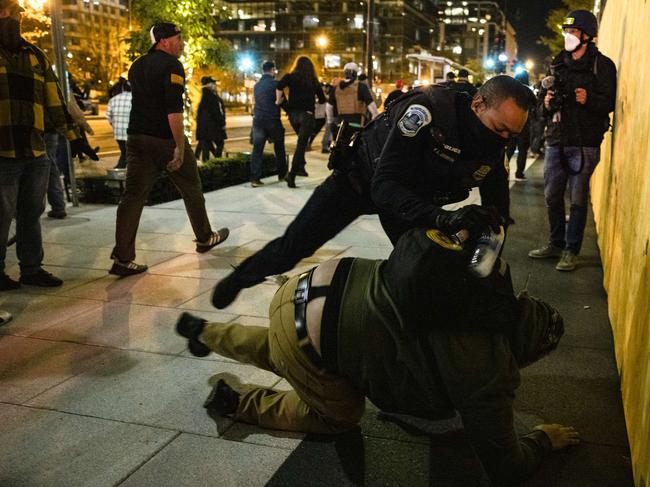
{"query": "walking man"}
(156, 143)
(267, 125)
(210, 121)
(118, 112)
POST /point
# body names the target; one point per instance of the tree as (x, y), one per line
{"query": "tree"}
(555, 19)
(35, 21)
(197, 20)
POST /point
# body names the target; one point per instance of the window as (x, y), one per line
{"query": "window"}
(310, 22)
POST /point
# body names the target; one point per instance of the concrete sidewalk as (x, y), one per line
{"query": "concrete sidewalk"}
(97, 390)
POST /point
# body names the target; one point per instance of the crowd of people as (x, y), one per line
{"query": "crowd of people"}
(416, 333)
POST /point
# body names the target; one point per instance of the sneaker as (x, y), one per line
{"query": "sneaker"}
(41, 278)
(7, 283)
(256, 183)
(191, 327)
(225, 291)
(128, 268)
(59, 215)
(215, 239)
(520, 178)
(567, 262)
(282, 177)
(302, 172)
(223, 399)
(291, 180)
(545, 252)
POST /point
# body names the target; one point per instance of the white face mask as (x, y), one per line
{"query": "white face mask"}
(571, 42)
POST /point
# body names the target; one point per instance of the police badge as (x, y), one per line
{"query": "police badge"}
(416, 117)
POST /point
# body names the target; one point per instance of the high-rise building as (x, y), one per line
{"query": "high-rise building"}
(476, 30)
(95, 32)
(331, 32)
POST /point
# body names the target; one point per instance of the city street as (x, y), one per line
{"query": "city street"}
(238, 126)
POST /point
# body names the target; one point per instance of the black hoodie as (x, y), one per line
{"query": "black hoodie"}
(582, 125)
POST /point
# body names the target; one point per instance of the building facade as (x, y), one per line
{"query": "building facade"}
(477, 30)
(95, 33)
(332, 32)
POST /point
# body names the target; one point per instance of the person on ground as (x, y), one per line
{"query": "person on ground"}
(426, 150)
(118, 113)
(28, 90)
(417, 334)
(156, 143)
(210, 121)
(267, 125)
(303, 89)
(577, 100)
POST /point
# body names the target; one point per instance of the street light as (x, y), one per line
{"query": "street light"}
(322, 41)
(489, 63)
(529, 64)
(503, 57)
(246, 65)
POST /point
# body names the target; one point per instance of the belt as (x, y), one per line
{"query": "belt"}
(300, 300)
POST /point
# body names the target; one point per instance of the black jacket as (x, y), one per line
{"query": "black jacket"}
(410, 344)
(581, 125)
(210, 117)
(415, 167)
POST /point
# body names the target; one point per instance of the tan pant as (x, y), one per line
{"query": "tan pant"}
(146, 158)
(320, 402)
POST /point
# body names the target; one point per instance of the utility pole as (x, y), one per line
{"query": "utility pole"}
(370, 24)
(58, 44)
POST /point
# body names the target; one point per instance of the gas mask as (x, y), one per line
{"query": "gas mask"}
(571, 42)
(10, 33)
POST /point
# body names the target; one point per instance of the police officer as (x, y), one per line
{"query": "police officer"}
(350, 100)
(427, 150)
(156, 143)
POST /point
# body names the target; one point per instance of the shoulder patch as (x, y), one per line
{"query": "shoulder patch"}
(416, 117)
(177, 79)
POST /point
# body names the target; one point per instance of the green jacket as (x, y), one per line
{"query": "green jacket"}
(404, 362)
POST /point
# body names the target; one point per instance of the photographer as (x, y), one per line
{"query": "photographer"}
(578, 97)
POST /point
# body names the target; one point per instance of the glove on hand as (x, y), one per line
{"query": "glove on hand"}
(473, 218)
(79, 147)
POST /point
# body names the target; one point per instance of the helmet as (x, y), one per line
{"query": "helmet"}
(351, 70)
(583, 20)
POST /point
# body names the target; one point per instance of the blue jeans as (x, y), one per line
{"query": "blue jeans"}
(23, 184)
(568, 236)
(55, 191)
(263, 130)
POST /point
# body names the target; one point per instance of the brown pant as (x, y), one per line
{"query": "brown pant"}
(146, 158)
(320, 402)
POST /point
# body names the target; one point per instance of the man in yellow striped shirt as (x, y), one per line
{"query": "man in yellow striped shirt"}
(28, 89)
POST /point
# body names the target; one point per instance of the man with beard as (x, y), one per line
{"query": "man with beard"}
(29, 90)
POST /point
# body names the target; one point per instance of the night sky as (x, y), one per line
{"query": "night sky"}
(529, 20)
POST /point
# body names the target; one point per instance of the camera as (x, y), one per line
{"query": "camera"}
(561, 94)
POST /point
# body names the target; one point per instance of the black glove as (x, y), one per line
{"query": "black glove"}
(78, 147)
(473, 218)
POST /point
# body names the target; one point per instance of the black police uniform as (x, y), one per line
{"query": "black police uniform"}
(426, 151)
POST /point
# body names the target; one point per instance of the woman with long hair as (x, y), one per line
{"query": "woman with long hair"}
(304, 87)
